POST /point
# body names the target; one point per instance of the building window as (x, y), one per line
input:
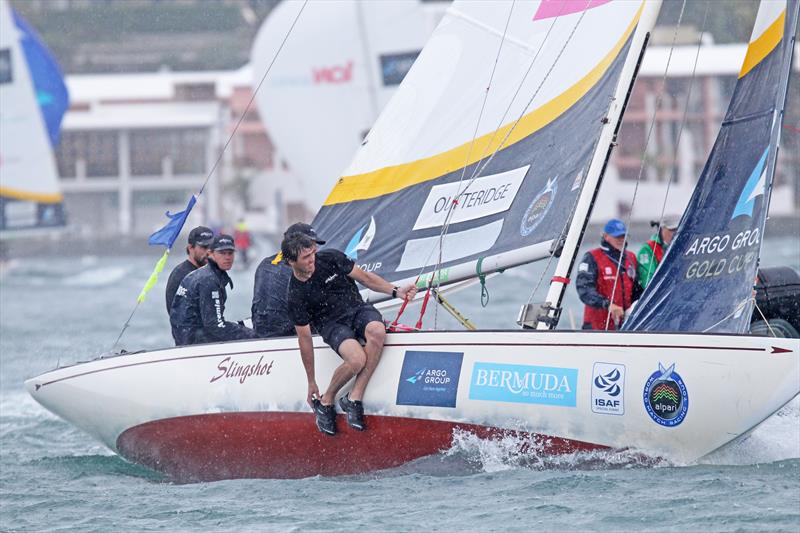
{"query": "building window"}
(102, 154)
(153, 152)
(97, 150)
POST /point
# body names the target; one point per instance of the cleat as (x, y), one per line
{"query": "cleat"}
(326, 418)
(355, 412)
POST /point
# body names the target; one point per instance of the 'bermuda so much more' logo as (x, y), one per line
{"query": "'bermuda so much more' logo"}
(665, 397)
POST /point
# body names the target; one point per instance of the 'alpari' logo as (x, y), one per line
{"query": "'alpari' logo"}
(755, 187)
(362, 240)
(417, 375)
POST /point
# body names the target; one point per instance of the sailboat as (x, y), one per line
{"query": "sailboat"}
(455, 181)
(34, 100)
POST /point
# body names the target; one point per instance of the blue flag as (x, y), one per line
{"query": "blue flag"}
(51, 93)
(172, 229)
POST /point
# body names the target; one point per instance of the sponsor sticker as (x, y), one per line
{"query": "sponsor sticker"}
(608, 389)
(539, 208)
(665, 397)
(429, 378)
(485, 196)
(524, 384)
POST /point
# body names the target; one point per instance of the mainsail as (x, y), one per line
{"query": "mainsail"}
(34, 99)
(508, 161)
(705, 281)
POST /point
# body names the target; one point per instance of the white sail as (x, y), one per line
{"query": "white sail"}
(338, 68)
(506, 162)
(30, 196)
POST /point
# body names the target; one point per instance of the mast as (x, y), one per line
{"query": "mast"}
(597, 167)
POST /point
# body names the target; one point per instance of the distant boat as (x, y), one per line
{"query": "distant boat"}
(338, 68)
(34, 100)
(679, 390)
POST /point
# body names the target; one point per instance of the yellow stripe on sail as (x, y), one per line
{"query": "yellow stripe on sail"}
(44, 198)
(764, 44)
(394, 178)
(151, 281)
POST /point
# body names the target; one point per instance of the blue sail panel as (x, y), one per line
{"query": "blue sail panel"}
(48, 81)
(705, 281)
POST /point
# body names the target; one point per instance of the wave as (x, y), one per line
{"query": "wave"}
(98, 277)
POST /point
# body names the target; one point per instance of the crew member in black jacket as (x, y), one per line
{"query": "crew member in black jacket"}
(198, 310)
(200, 239)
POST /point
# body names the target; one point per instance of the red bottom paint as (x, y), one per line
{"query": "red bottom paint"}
(288, 445)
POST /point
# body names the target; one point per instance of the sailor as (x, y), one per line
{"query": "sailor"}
(200, 238)
(269, 310)
(651, 252)
(198, 310)
(603, 290)
(323, 295)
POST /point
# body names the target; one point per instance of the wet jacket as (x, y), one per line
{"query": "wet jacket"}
(175, 278)
(595, 284)
(649, 257)
(198, 310)
(269, 311)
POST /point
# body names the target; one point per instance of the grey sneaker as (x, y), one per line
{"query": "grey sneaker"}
(355, 412)
(326, 417)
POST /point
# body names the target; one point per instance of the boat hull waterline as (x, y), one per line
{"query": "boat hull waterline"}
(238, 410)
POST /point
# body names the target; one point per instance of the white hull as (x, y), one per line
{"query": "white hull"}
(163, 408)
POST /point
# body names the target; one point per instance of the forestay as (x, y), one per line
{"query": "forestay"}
(34, 101)
(705, 281)
(534, 141)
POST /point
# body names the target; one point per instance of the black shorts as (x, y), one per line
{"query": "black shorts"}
(350, 326)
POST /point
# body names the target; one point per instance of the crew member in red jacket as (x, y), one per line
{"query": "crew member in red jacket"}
(604, 288)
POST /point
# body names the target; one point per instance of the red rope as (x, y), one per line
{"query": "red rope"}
(424, 306)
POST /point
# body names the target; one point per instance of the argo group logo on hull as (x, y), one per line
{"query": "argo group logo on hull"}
(429, 378)
(524, 384)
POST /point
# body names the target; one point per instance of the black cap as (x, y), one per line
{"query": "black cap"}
(305, 229)
(222, 242)
(201, 236)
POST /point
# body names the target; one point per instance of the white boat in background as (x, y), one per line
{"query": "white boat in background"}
(34, 99)
(454, 182)
(342, 62)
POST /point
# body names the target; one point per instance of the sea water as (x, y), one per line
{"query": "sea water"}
(53, 477)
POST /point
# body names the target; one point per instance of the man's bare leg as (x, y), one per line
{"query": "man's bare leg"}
(354, 362)
(375, 332)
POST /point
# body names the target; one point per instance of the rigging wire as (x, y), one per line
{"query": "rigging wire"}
(621, 259)
(478, 168)
(683, 120)
(225, 147)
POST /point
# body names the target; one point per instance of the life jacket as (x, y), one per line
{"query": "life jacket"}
(606, 274)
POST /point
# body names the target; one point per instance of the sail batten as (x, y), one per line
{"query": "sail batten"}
(503, 198)
(705, 281)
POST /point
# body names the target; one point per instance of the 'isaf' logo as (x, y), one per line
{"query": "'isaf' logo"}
(665, 397)
(608, 389)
